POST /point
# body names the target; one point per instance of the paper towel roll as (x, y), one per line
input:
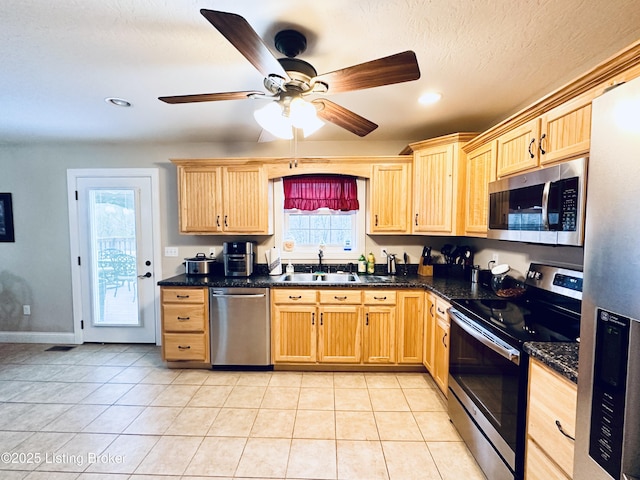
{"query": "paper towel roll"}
(274, 261)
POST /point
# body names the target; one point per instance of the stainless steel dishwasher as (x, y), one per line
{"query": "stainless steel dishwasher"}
(240, 327)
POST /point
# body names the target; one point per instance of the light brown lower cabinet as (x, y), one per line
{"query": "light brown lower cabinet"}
(551, 424)
(441, 345)
(346, 326)
(185, 324)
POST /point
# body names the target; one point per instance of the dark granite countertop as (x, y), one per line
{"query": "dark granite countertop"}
(448, 288)
(561, 357)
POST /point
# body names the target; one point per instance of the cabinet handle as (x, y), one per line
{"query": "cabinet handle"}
(184, 347)
(339, 298)
(367, 321)
(182, 319)
(444, 337)
(321, 319)
(298, 297)
(313, 318)
(542, 150)
(182, 296)
(376, 219)
(225, 218)
(431, 309)
(559, 425)
(217, 220)
(380, 298)
(441, 312)
(533, 140)
(416, 219)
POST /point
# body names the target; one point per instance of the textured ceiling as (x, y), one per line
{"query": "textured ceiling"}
(488, 59)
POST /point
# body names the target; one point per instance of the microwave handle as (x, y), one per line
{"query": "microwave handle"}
(545, 206)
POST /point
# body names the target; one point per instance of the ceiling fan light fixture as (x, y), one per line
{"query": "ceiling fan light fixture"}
(270, 118)
(304, 115)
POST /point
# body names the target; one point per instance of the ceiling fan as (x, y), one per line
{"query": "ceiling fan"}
(288, 80)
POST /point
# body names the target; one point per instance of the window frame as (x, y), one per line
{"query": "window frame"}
(310, 253)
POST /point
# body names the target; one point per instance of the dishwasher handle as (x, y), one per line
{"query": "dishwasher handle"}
(485, 337)
(237, 295)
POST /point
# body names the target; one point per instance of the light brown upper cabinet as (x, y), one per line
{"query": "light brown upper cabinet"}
(566, 131)
(439, 184)
(481, 169)
(223, 199)
(561, 133)
(390, 199)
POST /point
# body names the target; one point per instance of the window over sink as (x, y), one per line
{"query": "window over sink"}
(340, 232)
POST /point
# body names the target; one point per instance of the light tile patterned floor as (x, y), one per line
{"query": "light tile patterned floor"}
(115, 412)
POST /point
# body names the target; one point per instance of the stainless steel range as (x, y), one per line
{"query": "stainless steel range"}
(488, 368)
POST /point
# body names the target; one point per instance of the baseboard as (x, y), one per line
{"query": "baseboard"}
(37, 337)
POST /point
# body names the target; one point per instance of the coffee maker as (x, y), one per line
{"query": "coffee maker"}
(239, 258)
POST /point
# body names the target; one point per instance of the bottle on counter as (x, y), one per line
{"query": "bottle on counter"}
(371, 263)
(362, 264)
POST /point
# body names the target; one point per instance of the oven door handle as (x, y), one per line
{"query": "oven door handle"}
(485, 337)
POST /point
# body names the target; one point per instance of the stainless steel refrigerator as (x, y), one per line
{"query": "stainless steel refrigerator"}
(608, 421)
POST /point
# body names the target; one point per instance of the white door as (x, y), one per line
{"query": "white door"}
(115, 244)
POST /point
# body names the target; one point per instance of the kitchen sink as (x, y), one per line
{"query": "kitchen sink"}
(319, 278)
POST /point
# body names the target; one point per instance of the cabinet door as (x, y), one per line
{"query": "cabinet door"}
(433, 190)
(379, 334)
(410, 323)
(539, 466)
(199, 200)
(294, 333)
(552, 399)
(246, 200)
(428, 353)
(441, 360)
(481, 169)
(566, 131)
(518, 149)
(339, 334)
(390, 197)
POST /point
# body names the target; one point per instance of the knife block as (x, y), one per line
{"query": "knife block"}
(425, 270)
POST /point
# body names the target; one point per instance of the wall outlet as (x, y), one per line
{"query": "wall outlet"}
(494, 258)
(382, 250)
(212, 251)
(170, 251)
(26, 309)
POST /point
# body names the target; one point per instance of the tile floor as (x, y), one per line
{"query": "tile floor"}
(115, 412)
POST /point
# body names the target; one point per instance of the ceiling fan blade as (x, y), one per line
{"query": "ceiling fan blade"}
(209, 97)
(398, 68)
(343, 117)
(242, 36)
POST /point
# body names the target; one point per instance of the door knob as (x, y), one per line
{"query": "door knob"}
(146, 275)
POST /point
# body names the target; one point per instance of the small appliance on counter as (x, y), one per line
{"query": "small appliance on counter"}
(239, 258)
(199, 265)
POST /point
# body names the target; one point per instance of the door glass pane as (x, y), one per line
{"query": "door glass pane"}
(112, 223)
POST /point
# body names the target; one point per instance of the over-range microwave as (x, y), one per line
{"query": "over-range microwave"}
(545, 206)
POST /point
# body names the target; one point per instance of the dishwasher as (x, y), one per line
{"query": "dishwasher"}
(240, 330)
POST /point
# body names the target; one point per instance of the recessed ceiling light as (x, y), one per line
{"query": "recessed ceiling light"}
(118, 102)
(429, 98)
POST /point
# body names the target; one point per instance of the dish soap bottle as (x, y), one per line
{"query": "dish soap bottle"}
(362, 264)
(371, 263)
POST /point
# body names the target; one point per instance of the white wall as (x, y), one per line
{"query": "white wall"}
(35, 270)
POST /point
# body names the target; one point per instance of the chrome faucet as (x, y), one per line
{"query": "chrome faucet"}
(320, 255)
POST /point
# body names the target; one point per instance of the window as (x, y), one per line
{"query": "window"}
(334, 229)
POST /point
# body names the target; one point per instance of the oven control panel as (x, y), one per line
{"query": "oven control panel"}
(564, 281)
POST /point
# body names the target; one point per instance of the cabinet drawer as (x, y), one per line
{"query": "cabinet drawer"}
(441, 309)
(539, 466)
(183, 318)
(293, 296)
(183, 295)
(552, 398)
(185, 346)
(379, 297)
(340, 297)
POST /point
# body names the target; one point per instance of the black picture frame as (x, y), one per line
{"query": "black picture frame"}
(6, 218)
